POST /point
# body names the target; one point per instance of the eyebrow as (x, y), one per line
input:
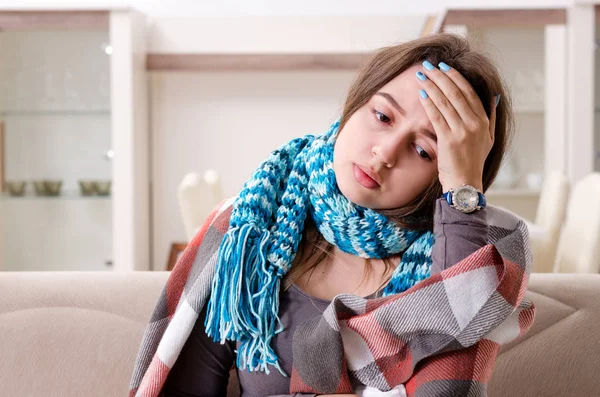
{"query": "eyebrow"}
(400, 110)
(430, 135)
(393, 102)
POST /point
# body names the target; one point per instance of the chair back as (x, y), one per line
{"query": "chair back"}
(550, 217)
(197, 197)
(579, 244)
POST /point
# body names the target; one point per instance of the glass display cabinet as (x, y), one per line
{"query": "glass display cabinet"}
(73, 141)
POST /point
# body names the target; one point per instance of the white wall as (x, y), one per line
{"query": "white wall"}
(282, 34)
(163, 8)
(597, 105)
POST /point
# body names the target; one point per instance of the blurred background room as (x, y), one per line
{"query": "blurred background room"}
(123, 124)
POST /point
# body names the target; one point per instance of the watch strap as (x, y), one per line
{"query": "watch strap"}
(448, 197)
(482, 201)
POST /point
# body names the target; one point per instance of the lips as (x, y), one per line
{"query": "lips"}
(366, 178)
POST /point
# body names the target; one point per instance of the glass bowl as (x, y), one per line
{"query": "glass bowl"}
(52, 188)
(87, 187)
(103, 188)
(16, 188)
(40, 188)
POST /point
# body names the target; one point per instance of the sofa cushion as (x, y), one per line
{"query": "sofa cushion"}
(72, 333)
(560, 355)
(77, 334)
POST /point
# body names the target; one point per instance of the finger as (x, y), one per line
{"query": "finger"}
(494, 105)
(466, 88)
(442, 103)
(437, 119)
(451, 90)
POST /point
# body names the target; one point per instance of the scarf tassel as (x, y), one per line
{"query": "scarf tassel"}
(235, 311)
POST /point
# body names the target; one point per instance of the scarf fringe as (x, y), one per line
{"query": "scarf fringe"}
(235, 311)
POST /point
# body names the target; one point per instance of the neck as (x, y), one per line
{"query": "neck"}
(342, 273)
(348, 262)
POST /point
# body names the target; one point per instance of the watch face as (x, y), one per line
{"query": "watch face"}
(466, 198)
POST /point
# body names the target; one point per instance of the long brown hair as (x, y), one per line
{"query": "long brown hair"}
(384, 65)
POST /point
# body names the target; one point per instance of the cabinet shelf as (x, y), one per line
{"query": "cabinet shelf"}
(67, 195)
(68, 112)
(201, 62)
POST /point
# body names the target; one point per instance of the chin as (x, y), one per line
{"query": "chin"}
(372, 199)
(357, 194)
(359, 199)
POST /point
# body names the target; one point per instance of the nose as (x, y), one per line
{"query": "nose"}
(386, 151)
(382, 156)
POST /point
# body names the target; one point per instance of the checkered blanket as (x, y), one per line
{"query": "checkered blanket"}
(439, 338)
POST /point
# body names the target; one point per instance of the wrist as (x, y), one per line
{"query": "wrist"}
(465, 198)
(455, 184)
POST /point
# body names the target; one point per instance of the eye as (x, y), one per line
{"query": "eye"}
(422, 153)
(382, 117)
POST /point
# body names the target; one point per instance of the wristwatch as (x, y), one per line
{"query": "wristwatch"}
(465, 198)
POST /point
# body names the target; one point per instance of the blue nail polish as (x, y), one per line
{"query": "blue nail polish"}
(444, 67)
(497, 100)
(423, 94)
(421, 76)
(427, 65)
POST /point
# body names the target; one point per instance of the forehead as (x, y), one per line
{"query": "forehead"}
(405, 90)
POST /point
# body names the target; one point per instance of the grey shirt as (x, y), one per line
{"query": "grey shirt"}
(202, 369)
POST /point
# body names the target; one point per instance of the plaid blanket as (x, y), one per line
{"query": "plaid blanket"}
(439, 338)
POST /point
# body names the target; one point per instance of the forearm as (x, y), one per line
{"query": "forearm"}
(457, 235)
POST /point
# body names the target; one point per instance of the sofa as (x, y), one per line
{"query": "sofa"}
(77, 334)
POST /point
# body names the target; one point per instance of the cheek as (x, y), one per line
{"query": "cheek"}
(346, 142)
(356, 135)
(412, 179)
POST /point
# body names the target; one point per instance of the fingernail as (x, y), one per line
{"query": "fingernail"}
(421, 76)
(427, 65)
(497, 100)
(444, 67)
(423, 94)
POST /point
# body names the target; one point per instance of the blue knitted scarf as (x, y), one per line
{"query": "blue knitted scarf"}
(265, 229)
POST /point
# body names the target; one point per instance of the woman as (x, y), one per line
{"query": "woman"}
(357, 211)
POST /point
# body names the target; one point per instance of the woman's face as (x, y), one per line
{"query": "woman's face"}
(386, 154)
